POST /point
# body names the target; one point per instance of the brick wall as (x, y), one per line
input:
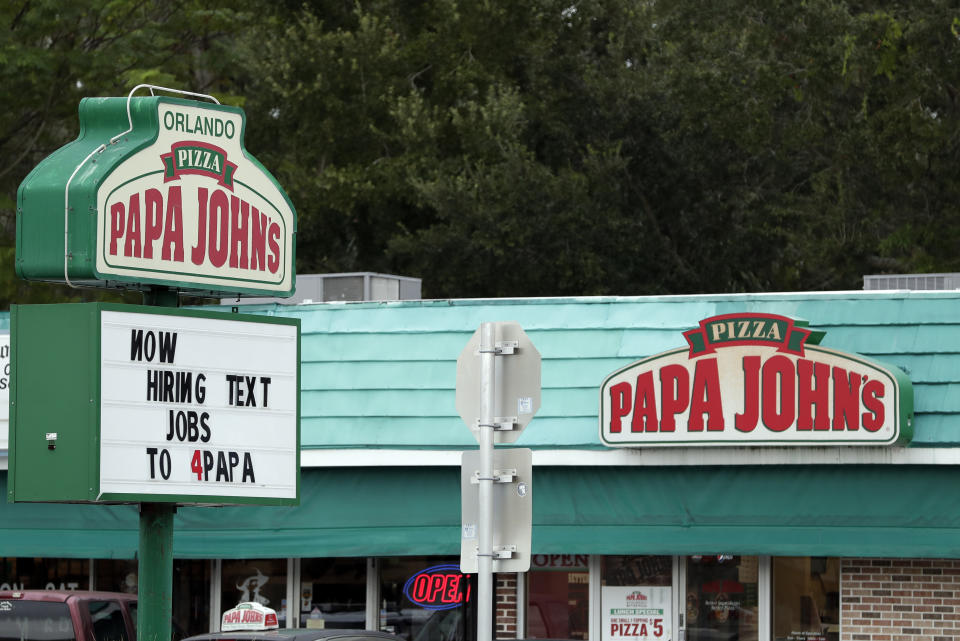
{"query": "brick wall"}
(900, 599)
(505, 606)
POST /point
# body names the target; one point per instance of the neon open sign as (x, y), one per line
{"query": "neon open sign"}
(441, 587)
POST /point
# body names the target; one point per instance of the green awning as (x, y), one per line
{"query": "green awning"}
(865, 510)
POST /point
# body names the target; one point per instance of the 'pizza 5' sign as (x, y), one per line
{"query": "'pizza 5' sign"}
(755, 379)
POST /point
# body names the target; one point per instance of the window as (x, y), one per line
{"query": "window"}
(261, 580)
(191, 590)
(107, 619)
(558, 591)
(806, 598)
(429, 617)
(44, 574)
(35, 621)
(722, 597)
(333, 593)
(636, 597)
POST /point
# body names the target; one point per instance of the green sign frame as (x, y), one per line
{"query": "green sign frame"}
(157, 192)
(56, 401)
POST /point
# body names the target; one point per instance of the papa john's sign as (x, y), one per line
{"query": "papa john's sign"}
(755, 379)
(176, 200)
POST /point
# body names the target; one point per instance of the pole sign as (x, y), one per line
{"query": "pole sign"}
(127, 403)
(755, 379)
(512, 497)
(517, 374)
(157, 191)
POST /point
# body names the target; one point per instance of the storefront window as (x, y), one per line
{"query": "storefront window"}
(558, 589)
(191, 590)
(636, 598)
(427, 599)
(722, 597)
(261, 580)
(44, 574)
(333, 593)
(806, 598)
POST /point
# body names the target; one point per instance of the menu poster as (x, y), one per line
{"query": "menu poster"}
(635, 613)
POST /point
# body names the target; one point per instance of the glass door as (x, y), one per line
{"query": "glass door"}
(721, 598)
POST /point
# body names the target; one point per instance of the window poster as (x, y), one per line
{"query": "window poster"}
(636, 612)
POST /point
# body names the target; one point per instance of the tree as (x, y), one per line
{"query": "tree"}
(616, 147)
(54, 53)
(553, 148)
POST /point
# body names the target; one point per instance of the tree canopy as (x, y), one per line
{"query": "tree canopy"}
(545, 148)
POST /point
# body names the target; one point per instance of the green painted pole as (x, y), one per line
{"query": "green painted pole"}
(155, 563)
(155, 570)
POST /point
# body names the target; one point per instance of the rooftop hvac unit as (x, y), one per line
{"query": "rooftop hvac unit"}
(912, 281)
(350, 286)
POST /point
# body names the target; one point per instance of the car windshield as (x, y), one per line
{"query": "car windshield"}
(35, 621)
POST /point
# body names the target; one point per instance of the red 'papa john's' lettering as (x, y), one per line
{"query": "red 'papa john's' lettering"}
(778, 394)
(230, 231)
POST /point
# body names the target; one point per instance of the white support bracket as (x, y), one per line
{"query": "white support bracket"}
(502, 423)
(506, 347)
(504, 551)
(499, 476)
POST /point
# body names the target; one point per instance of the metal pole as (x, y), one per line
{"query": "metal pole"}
(155, 564)
(485, 516)
(155, 569)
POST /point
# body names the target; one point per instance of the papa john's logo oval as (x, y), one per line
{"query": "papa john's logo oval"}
(755, 379)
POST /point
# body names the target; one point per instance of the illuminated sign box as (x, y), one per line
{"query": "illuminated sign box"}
(441, 587)
(157, 191)
(755, 379)
(126, 403)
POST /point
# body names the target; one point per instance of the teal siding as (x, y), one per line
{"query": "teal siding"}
(384, 374)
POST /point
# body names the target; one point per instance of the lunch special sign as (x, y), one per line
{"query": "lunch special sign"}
(176, 200)
(755, 379)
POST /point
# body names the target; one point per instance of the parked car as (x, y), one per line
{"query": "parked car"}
(67, 615)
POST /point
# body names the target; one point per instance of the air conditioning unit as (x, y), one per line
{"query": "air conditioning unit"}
(349, 286)
(912, 281)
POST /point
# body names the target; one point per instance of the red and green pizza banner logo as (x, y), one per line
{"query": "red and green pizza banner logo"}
(198, 158)
(755, 379)
(783, 333)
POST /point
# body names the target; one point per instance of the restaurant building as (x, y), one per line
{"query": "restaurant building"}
(756, 467)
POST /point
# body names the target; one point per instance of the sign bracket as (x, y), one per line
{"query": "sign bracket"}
(499, 476)
(500, 424)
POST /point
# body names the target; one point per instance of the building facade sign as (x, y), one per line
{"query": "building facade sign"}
(755, 379)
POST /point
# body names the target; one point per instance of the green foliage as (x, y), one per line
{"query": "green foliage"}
(547, 148)
(53, 53)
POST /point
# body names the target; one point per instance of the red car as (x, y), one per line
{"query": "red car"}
(64, 615)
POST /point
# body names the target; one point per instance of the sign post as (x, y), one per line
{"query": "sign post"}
(159, 195)
(498, 392)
